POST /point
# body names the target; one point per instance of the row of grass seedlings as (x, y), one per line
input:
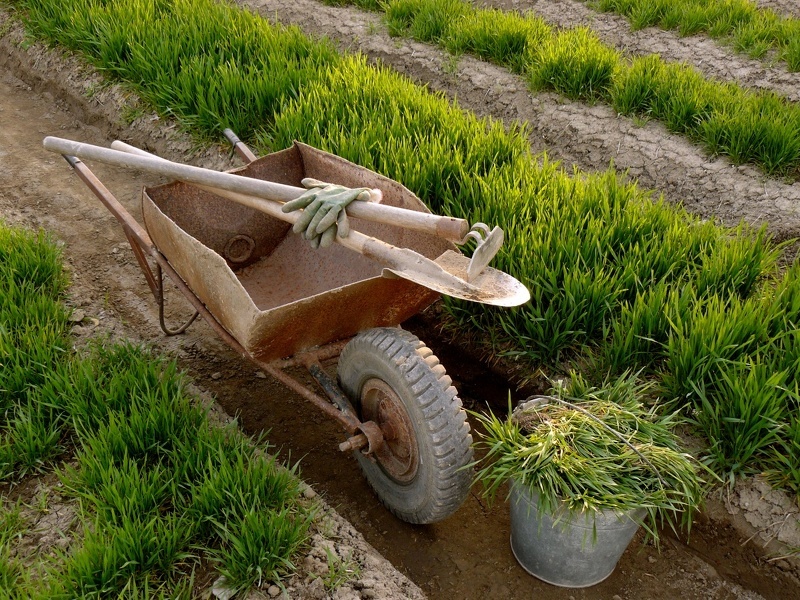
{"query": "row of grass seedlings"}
(456, 163)
(498, 36)
(757, 127)
(33, 342)
(160, 489)
(758, 130)
(205, 63)
(423, 20)
(742, 414)
(742, 23)
(739, 381)
(674, 94)
(667, 275)
(638, 335)
(714, 332)
(576, 64)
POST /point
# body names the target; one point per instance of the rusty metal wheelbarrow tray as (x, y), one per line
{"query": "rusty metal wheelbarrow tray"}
(280, 303)
(267, 287)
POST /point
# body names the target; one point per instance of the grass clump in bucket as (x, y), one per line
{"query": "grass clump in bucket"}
(591, 449)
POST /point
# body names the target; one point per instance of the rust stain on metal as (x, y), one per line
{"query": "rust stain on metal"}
(285, 297)
(399, 454)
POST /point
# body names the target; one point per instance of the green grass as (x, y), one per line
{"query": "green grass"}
(619, 279)
(164, 488)
(495, 35)
(576, 64)
(576, 457)
(158, 488)
(33, 342)
(757, 127)
(740, 23)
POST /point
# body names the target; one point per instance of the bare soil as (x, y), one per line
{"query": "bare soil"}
(466, 556)
(711, 57)
(789, 8)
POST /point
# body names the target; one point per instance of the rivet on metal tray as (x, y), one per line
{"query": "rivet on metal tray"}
(239, 248)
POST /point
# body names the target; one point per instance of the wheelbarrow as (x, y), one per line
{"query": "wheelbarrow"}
(281, 304)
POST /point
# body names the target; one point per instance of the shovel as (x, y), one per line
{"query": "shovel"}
(451, 274)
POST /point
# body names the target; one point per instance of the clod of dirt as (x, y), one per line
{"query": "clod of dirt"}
(771, 513)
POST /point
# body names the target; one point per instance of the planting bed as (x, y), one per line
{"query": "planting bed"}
(710, 57)
(587, 136)
(466, 556)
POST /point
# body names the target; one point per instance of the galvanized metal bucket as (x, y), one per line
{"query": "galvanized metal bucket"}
(568, 548)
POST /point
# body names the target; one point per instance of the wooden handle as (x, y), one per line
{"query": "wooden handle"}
(446, 227)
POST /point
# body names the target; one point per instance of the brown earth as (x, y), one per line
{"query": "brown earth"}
(711, 57)
(783, 7)
(466, 556)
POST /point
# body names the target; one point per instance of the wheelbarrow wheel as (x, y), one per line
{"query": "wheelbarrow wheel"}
(395, 380)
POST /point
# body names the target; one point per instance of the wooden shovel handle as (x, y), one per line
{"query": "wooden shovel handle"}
(447, 227)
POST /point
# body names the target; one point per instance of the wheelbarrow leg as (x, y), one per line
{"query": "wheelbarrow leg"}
(141, 245)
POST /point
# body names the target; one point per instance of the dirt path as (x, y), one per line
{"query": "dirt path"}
(782, 7)
(37, 189)
(712, 58)
(588, 137)
(466, 556)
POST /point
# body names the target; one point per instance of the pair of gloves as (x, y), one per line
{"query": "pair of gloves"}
(324, 215)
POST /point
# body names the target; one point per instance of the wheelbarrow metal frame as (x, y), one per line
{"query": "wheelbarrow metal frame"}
(338, 407)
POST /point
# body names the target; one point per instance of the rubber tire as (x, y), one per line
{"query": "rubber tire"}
(444, 444)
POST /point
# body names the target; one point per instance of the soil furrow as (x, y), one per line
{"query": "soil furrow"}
(710, 57)
(38, 190)
(587, 136)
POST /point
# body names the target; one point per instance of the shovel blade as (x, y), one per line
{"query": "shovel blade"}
(491, 286)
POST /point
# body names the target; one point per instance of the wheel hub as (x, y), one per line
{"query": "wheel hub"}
(398, 455)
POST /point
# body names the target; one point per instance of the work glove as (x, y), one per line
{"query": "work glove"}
(324, 215)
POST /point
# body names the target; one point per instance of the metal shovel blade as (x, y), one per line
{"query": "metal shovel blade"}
(489, 287)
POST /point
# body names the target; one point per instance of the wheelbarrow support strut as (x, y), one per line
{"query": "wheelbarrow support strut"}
(363, 435)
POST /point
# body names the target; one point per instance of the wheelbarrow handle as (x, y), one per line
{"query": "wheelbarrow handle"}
(391, 257)
(447, 227)
(238, 145)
